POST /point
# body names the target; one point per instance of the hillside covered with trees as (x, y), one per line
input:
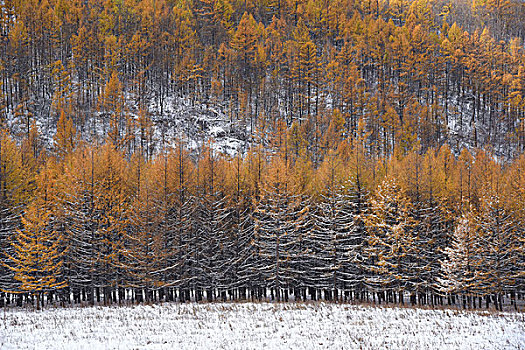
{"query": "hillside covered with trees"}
(377, 150)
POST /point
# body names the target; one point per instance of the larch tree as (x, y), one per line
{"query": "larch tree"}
(391, 242)
(112, 206)
(37, 254)
(498, 240)
(277, 216)
(65, 137)
(462, 261)
(15, 189)
(336, 236)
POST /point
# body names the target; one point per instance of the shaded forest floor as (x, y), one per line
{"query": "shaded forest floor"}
(259, 325)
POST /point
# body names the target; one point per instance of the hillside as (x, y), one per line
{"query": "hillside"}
(431, 72)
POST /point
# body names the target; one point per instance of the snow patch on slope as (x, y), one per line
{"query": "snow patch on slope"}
(196, 125)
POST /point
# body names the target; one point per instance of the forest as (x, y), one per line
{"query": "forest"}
(380, 151)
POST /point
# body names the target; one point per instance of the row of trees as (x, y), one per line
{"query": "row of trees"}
(88, 223)
(404, 69)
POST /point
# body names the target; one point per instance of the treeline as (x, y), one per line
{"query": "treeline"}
(87, 223)
(356, 181)
(432, 71)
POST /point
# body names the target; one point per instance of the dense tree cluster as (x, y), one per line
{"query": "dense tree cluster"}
(383, 161)
(426, 71)
(86, 223)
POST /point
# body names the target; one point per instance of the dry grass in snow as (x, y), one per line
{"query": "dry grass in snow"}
(259, 326)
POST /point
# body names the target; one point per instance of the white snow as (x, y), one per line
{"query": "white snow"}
(259, 326)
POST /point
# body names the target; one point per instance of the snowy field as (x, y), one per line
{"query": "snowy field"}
(259, 326)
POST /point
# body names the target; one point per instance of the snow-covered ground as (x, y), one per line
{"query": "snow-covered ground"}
(259, 326)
